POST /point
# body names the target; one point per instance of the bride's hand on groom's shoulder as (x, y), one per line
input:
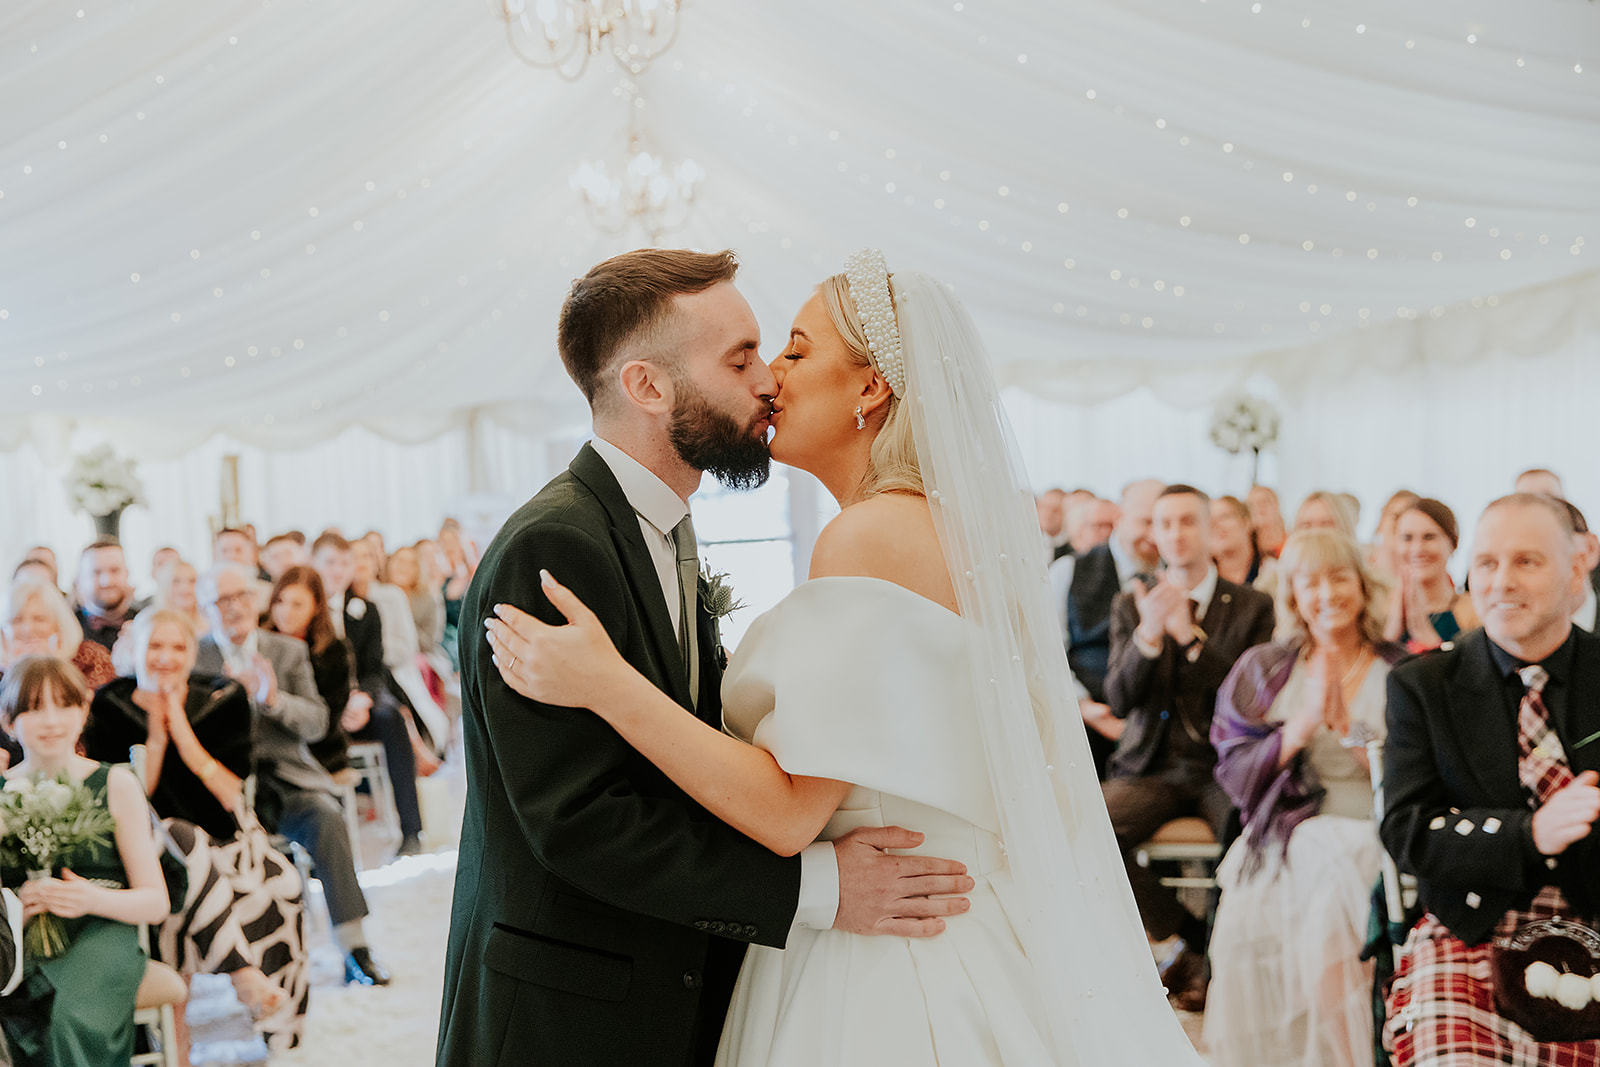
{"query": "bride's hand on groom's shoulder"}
(573, 665)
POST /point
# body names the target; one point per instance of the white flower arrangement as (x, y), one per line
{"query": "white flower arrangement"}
(101, 484)
(1244, 423)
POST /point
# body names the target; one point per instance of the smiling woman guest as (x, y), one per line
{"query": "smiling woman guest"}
(86, 993)
(1425, 610)
(1292, 723)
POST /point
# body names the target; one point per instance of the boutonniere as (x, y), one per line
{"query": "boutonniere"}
(718, 602)
(356, 608)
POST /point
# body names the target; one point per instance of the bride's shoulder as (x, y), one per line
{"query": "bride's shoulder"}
(889, 536)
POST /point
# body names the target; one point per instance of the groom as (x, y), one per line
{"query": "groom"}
(600, 914)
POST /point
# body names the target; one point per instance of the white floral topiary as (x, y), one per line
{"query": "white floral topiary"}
(101, 484)
(1244, 423)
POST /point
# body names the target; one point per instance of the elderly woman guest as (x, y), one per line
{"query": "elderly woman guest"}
(1425, 610)
(241, 918)
(1293, 717)
(88, 989)
(37, 620)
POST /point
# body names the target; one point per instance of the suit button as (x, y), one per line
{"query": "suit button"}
(692, 980)
(718, 927)
(750, 931)
(1163, 716)
(701, 924)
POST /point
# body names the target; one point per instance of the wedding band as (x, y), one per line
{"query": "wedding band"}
(512, 665)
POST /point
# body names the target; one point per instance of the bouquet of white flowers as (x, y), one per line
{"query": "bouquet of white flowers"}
(45, 821)
(1244, 423)
(101, 484)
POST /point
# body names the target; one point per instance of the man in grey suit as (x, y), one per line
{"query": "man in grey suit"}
(292, 789)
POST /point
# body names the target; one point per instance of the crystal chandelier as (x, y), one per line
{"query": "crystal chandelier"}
(647, 191)
(561, 35)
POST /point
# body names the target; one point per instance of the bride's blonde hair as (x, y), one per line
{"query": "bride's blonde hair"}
(892, 463)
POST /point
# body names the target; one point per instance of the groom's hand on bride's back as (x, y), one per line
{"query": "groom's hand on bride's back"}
(905, 896)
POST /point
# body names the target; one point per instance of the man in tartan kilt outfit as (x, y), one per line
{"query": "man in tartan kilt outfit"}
(1492, 761)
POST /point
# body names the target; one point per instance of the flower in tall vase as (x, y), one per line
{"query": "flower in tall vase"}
(103, 485)
(1241, 422)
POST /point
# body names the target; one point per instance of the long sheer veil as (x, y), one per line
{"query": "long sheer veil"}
(1079, 925)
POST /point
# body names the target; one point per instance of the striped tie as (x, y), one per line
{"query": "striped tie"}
(688, 602)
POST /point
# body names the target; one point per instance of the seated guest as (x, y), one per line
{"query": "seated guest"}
(1425, 610)
(35, 568)
(1352, 506)
(37, 621)
(1322, 510)
(459, 565)
(196, 730)
(427, 603)
(283, 551)
(1051, 507)
(387, 723)
(46, 555)
(1381, 554)
(1266, 518)
(233, 545)
(161, 557)
(380, 553)
(1234, 549)
(299, 609)
(1091, 522)
(175, 590)
(85, 994)
(1171, 648)
(294, 794)
(1539, 480)
(1490, 781)
(1293, 718)
(1084, 589)
(1587, 548)
(105, 596)
(401, 652)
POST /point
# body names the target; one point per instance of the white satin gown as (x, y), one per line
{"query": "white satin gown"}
(866, 682)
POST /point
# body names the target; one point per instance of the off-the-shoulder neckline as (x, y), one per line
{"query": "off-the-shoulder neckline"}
(913, 594)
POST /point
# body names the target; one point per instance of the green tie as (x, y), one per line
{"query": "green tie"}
(688, 602)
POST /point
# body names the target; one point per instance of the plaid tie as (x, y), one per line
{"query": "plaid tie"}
(688, 602)
(1543, 766)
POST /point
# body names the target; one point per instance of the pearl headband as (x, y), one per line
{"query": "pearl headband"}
(867, 273)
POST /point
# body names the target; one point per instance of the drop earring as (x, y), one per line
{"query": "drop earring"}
(861, 422)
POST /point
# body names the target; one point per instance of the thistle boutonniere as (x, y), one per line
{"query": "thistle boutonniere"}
(718, 602)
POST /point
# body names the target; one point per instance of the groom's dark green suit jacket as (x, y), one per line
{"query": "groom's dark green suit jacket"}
(591, 891)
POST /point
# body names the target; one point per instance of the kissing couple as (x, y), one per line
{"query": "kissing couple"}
(877, 836)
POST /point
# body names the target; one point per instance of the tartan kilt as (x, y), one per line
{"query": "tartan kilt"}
(1441, 1006)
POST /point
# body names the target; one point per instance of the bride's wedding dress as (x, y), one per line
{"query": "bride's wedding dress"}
(864, 681)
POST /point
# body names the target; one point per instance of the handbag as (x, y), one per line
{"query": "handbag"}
(1546, 977)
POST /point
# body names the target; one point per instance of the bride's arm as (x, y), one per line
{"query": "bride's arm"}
(577, 666)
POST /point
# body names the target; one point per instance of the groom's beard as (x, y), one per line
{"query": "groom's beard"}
(714, 441)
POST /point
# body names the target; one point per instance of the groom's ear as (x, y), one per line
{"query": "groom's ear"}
(646, 386)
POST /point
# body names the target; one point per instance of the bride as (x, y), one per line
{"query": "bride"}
(916, 680)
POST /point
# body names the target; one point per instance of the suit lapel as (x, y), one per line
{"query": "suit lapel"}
(639, 567)
(1477, 717)
(1581, 717)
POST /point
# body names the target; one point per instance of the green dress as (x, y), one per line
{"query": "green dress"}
(83, 998)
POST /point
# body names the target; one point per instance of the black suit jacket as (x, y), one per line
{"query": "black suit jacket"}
(1159, 695)
(1456, 814)
(590, 888)
(365, 634)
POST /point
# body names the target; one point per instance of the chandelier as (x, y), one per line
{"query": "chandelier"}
(647, 191)
(561, 35)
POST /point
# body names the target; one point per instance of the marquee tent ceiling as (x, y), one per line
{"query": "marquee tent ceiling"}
(283, 217)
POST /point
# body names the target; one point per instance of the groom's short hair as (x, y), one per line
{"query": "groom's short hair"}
(624, 297)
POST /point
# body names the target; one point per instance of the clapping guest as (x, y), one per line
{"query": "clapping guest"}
(1492, 799)
(429, 725)
(294, 793)
(1425, 610)
(1323, 510)
(1171, 648)
(427, 603)
(105, 595)
(1383, 551)
(299, 609)
(37, 621)
(1266, 517)
(196, 733)
(1233, 545)
(1288, 985)
(85, 993)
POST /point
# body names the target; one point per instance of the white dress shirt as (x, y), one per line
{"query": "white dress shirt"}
(660, 509)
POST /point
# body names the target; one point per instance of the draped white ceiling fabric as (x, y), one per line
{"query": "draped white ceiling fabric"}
(283, 218)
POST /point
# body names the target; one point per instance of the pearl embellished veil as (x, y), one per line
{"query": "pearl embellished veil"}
(1080, 928)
